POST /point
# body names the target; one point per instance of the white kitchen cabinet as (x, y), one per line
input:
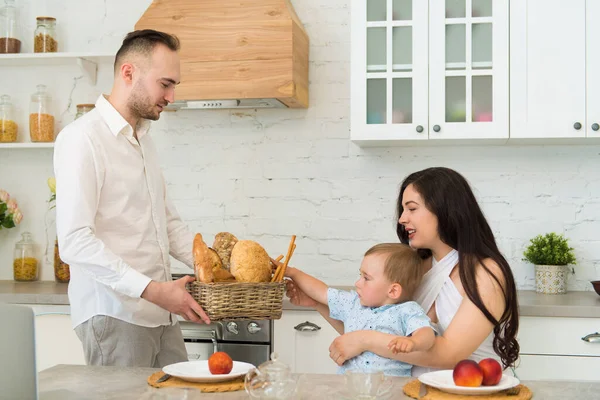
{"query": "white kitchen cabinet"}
(553, 69)
(55, 340)
(429, 70)
(552, 348)
(302, 340)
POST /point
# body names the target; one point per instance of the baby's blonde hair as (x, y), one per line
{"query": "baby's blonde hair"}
(403, 265)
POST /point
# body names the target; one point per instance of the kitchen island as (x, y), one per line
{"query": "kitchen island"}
(69, 382)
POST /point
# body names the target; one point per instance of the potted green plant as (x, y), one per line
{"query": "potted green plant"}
(551, 254)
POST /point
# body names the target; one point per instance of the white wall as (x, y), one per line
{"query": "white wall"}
(268, 174)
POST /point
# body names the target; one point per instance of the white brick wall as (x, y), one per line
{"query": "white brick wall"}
(268, 174)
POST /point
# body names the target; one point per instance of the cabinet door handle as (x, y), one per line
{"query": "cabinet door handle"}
(436, 128)
(307, 327)
(592, 338)
(577, 126)
(595, 126)
(419, 128)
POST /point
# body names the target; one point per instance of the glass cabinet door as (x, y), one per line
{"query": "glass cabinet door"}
(389, 69)
(468, 69)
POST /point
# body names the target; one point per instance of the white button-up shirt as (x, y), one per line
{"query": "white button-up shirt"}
(116, 226)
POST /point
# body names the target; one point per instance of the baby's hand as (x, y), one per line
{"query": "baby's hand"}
(401, 344)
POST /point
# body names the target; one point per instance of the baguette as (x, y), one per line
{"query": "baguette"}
(202, 261)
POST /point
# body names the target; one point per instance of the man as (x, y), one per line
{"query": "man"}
(116, 226)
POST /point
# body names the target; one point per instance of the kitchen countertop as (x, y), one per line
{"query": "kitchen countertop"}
(572, 304)
(69, 382)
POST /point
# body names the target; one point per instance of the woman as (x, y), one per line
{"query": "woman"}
(468, 291)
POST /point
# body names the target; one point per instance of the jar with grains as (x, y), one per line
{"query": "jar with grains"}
(44, 37)
(9, 35)
(84, 109)
(41, 120)
(25, 264)
(8, 126)
(62, 273)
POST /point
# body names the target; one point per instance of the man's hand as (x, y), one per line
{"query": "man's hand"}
(401, 344)
(173, 297)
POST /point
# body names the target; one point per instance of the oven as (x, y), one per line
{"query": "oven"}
(248, 341)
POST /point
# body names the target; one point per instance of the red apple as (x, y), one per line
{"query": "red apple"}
(492, 371)
(467, 373)
(220, 363)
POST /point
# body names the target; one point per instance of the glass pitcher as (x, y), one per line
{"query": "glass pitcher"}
(25, 264)
(271, 380)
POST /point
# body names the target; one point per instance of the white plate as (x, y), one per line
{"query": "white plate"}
(443, 381)
(197, 371)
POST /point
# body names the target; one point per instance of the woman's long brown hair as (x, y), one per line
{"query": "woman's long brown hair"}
(462, 226)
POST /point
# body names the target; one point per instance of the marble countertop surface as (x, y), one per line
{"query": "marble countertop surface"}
(70, 382)
(571, 304)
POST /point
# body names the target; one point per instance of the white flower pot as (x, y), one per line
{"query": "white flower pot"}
(551, 279)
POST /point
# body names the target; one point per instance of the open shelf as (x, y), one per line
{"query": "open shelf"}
(27, 145)
(88, 62)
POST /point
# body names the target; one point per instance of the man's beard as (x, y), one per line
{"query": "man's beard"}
(141, 105)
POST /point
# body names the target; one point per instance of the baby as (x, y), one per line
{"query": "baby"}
(389, 275)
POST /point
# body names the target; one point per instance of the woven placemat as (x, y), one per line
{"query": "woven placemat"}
(520, 392)
(216, 387)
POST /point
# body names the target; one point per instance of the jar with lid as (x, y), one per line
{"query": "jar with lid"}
(41, 120)
(8, 126)
(9, 39)
(44, 37)
(83, 109)
(25, 263)
(62, 274)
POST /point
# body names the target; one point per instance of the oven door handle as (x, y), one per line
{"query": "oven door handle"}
(201, 334)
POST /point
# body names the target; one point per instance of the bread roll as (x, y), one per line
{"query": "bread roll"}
(219, 274)
(250, 262)
(202, 261)
(215, 261)
(223, 245)
(222, 275)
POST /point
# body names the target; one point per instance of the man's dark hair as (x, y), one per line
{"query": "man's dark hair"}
(143, 42)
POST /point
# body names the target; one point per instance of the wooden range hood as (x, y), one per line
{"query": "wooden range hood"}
(235, 54)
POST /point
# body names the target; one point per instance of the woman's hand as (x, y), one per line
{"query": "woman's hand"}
(298, 297)
(347, 346)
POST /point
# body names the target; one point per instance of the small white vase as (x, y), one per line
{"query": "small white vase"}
(551, 279)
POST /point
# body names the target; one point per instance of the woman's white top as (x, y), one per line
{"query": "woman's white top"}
(437, 286)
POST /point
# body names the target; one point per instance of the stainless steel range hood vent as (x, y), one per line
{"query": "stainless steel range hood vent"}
(232, 103)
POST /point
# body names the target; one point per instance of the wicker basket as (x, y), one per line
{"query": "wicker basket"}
(239, 300)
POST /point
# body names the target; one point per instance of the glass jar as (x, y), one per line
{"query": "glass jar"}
(25, 264)
(8, 126)
(44, 37)
(83, 109)
(62, 273)
(41, 120)
(9, 40)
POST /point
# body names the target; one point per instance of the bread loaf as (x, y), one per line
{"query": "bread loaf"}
(202, 261)
(250, 262)
(223, 245)
(219, 273)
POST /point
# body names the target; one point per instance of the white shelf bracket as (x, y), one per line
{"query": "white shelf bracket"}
(90, 69)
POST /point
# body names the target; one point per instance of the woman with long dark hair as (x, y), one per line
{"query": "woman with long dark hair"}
(468, 290)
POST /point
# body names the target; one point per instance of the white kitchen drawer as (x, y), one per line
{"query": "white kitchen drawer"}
(546, 368)
(558, 336)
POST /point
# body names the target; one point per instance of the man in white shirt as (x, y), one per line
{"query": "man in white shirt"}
(115, 223)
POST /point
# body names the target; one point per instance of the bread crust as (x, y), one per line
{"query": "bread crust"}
(202, 261)
(250, 262)
(223, 245)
